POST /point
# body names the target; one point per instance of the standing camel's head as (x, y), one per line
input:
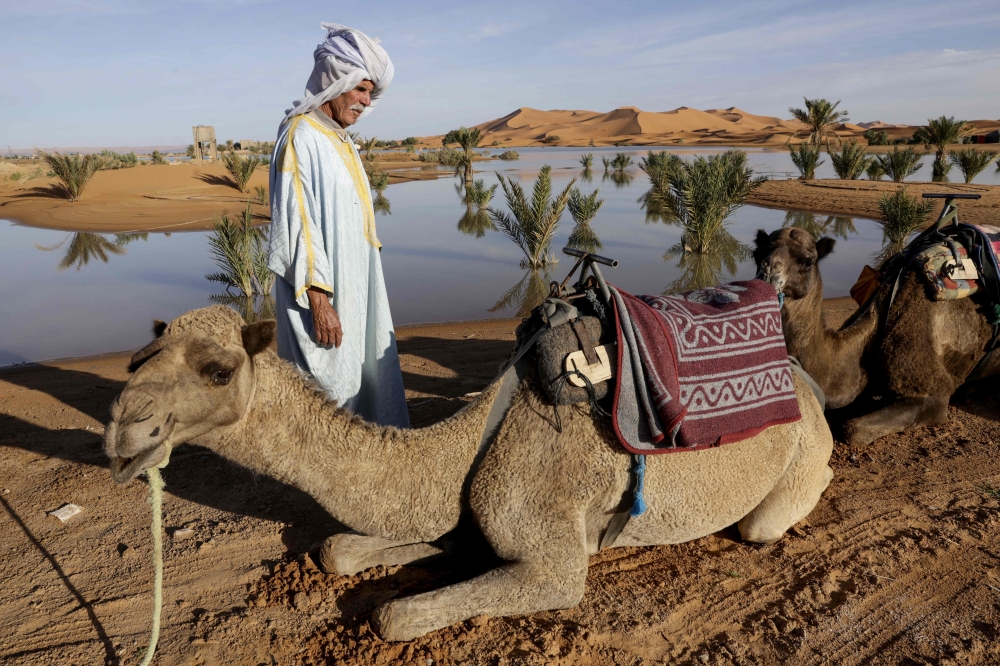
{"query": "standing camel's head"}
(788, 260)
(196, 376)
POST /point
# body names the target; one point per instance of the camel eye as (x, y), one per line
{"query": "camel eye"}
(221, 377)
(808, 263)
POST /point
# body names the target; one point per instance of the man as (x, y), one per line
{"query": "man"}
(332, 309)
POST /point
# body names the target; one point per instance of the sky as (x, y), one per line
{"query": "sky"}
(141, 72)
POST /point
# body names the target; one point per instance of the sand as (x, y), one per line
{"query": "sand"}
(180, 197)
(859, 198)
(898, 564)
(629, 125)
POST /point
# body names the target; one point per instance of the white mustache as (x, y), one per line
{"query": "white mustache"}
(358, 107)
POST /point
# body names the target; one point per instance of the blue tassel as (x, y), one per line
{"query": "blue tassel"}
(781, 300)
(638, 503)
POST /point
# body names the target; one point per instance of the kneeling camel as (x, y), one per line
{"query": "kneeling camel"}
(542, 498)
(899, 365)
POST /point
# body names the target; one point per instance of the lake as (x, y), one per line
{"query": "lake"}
(434, 270)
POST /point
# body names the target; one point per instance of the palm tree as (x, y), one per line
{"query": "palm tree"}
(240, 251)
(532, 225)
(584, 210)
(940, 133)
(469, 140)
(705, 192)
(73, 171)
(240, 169)
(658, 167)
(971, 162)
(901, 215)
(620, 162)
(806, 159)
(875, 169)
(821, 116)
(587, 161)
(381, 205)
(899, 164)
(705, 269)
(607, 163)
(835, 225)
(851, 161)
(379, 180)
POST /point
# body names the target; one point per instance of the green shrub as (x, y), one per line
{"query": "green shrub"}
(73, 171)
(620, 162)
(379, 181)
(876, 138)
(532, 225)
(240, 251)
(444, 156)
(806, 159)
(260, 192)
(410, 141)
(157, 158)
(971, 162)
(189, 151)
(703, 194)
(899, 164)
(850, 162)
(509, 155)
(17, 175)
(240, 169)
(552, 138)
(111, 160)
(875, 170)
(901, 215)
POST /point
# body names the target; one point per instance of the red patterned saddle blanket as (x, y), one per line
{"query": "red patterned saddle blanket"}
(700, 369)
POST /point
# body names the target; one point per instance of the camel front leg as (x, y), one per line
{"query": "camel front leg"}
(548, 577)
(348, 553)
(901, 414)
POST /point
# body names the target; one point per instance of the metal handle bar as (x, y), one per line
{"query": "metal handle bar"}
(928, 195)
(592, 257)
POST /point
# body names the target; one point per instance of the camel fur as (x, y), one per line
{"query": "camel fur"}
(895, 372)
(542, 498)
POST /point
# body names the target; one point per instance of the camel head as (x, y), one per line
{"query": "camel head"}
(788, 260)
(195, 377)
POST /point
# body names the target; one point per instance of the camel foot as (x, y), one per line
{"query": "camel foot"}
(901, 414)
(349, 553)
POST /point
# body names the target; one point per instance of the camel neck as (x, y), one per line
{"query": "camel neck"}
(380, 481)
(832, 357)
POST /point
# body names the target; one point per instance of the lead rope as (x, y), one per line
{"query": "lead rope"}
(156, 501)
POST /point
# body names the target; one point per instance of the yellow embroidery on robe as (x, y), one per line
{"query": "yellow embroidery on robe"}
(300, 200)
(358, 175)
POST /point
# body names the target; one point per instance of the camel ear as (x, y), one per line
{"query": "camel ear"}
(158, 327)
(761, 239)
(824, 246)
(258, 336)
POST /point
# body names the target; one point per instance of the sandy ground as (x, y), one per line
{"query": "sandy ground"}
(859, 198)
(188, 197)
(631, 126)
(898, 564)
(179, 197)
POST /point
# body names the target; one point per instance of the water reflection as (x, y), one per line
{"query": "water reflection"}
(526, 294)
(587, 175)
(651, 203)
(706, 269)
(832, 226)
(85, 246)
(381, 204)
(621, 179)
(476, 198)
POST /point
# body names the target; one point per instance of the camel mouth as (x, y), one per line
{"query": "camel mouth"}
(124, 470)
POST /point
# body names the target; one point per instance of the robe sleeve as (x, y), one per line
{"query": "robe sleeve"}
(297, 251)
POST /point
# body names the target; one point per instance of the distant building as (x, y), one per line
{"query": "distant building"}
(204, 142)
(989, 137)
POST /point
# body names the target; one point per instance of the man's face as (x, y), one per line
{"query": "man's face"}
(347, 108)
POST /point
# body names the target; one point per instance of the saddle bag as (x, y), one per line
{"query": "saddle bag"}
(551, 351)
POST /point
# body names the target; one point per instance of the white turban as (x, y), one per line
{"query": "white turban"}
(344, 60)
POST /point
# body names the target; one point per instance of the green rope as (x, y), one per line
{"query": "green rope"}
(156, 500)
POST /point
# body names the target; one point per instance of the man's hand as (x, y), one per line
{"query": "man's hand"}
(326, 322)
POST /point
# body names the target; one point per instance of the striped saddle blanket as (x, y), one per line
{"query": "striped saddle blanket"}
(700, 369)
